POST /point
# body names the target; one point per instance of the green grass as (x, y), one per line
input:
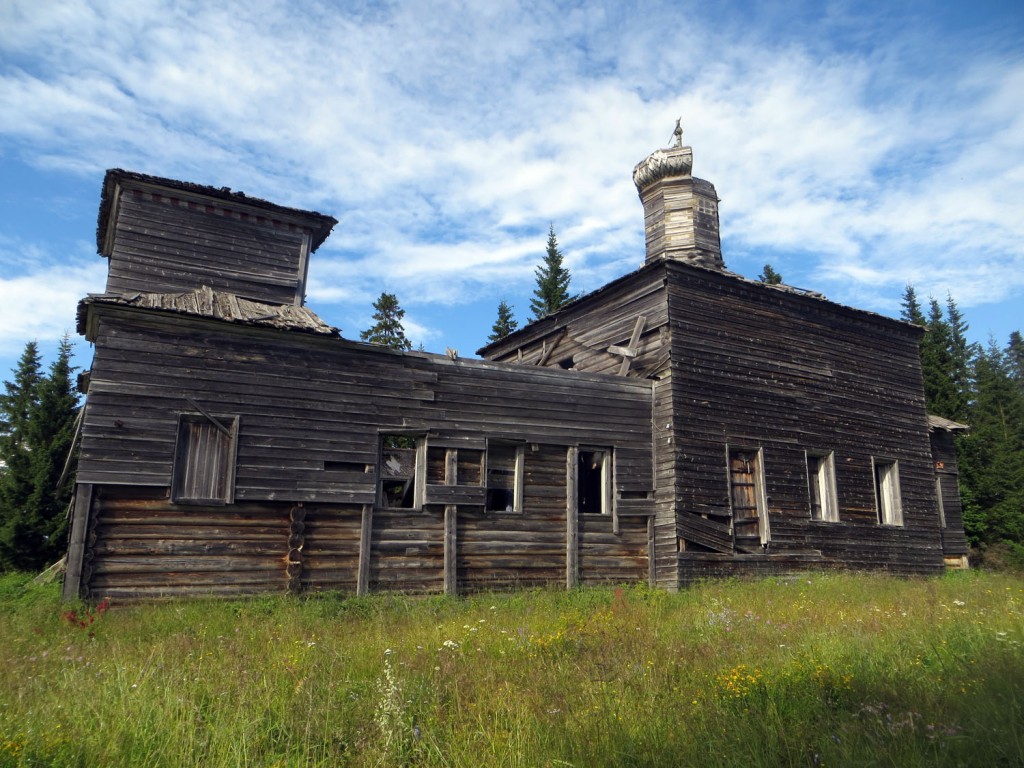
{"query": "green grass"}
(832, 670)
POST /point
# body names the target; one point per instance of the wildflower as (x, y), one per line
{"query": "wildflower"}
(959, 603)
(387, 651)
(451, 645)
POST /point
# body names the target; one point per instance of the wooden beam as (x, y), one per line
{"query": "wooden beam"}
(572, 528)
(451, 514)
(76, 543)
(365, 534)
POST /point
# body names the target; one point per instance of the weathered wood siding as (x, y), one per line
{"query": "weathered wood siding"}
(756, 367)
(141, 545)
(310, 414)
(165, 243)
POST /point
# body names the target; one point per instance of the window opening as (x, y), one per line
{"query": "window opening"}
(593, 482)
(821, 482)
(204, 459)
(504, 478)
(400, 468)
(887, 492)
(941, 503)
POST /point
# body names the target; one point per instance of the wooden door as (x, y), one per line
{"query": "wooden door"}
(745, 486)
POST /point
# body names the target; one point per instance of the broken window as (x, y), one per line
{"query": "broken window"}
(821, 483)
(204, 459)
(747, 495)
(402, 472)
(887, 492)
(594, 482)
(504, 477)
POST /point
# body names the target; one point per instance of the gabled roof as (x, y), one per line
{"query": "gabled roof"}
(319, 224)
(205, 302)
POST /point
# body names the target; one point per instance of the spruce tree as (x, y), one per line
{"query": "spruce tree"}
(991, 455)
(940, 388)
(552, 292)
(504, 325)
(53, 432)
(38, 415)
(770, 276)
(18, 405)
(910, 308)
(387, 329)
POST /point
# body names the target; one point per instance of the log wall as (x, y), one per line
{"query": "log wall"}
(311, 412)
(757, 367)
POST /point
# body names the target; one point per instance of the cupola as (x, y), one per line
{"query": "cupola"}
(680, 210)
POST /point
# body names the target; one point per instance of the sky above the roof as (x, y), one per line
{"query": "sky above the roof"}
(856, 146)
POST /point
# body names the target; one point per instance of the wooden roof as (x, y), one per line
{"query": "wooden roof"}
(205, 302)
(948, 425)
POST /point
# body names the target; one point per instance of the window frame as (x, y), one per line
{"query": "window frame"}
(518, 461)
(760, 489)
(822, 479)
(885, 476)
(417, 478)
(225, 425)
(606, 495)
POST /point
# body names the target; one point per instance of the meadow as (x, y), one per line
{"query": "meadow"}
(820, 670)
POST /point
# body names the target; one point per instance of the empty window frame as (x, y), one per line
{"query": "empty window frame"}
(402, 472)
(505, 477)
(887, 491)
(594, 481)
(821, 486)
(204, 459)
(747, 496)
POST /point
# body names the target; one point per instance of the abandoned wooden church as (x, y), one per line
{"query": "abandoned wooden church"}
(681, 422)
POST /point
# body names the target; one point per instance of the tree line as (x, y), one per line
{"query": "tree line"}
(981, 386)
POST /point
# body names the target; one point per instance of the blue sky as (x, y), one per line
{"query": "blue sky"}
(856, 146)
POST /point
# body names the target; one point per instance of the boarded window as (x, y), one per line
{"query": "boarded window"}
(204, 459)
(402, 472)
(505, 478)
(821, 485)
(887, 492)
(747, 495)
(594, 482)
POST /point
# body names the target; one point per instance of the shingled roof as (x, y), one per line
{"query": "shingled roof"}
(205, 302)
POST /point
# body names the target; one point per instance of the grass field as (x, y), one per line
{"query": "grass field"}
(830, 670)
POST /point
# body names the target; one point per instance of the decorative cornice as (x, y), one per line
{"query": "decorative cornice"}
(661, 164)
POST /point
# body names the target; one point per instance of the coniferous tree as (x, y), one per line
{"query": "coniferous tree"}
(552, 292)
(769, 275)
(940, 387)
(387, 329)
(18, 405)
(961, 352)
(991, 455)
(39, 419)
(504, 325)
(910, 308)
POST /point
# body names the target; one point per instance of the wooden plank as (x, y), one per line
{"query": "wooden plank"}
(572, 575)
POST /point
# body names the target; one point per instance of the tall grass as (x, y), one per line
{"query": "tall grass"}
(830, 670)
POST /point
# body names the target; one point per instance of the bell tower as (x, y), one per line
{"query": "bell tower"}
(680, 210)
